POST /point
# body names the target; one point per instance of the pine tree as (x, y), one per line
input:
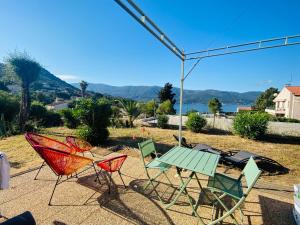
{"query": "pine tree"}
(166, 94)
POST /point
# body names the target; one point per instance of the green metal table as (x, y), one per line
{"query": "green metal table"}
(192, 160)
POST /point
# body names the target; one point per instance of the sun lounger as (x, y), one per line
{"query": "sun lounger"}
(239, 158)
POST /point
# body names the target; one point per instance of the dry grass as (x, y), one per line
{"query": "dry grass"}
(284, 150)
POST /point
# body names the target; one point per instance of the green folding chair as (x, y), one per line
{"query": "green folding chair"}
(147, 148)
(222, 185)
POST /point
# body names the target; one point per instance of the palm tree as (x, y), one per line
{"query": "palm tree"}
(131, 109)
(214, 106)
(27, 70)
(83, 86)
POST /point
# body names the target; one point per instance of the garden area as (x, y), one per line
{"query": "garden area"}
(117, 127)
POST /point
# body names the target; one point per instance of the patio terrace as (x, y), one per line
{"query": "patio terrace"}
(83, 201)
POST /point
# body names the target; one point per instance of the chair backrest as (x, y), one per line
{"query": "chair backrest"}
(79, 144)
(37, 139)
(62, 163)
(251, 172)
(113, 164)
(146, 148)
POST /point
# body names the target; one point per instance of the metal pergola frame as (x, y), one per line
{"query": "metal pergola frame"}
(133, 10)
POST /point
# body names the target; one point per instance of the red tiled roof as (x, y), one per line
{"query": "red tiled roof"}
(294, 89)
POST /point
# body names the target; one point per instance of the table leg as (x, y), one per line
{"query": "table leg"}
(185, 192)
(201, 189)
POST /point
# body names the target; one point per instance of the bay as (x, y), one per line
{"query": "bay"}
(204, 108)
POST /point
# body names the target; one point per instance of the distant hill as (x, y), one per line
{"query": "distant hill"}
(46, 83)
(145, 93)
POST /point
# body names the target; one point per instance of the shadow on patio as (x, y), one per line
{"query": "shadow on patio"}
(127, 203)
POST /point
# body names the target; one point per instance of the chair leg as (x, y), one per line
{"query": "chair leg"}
(110, 182)
(39, 170)
(225, 207)
(58, 178)
(121, 178)
(168, 179)
(97, 177)
(151, 179)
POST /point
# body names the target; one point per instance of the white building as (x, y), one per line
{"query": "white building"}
(58, 104)
(287, 102)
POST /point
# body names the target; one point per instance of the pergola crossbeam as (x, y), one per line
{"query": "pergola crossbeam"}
(144, 20)
(246, 47)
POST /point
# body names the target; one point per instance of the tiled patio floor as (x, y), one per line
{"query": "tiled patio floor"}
(85, 202)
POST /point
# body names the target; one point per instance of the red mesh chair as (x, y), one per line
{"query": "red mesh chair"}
(111, 165)
(79, 144)
(37, 139)
(63, 163)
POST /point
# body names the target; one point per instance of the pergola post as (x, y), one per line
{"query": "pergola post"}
(180, 101)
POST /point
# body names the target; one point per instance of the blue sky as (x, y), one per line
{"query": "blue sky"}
(95, 40)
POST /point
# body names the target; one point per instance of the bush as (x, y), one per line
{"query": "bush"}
(94, 112)
(52, 119)
(149, 108)
(165, 108)
(9, 106)
(37, 111)
(94, 115)
(93, 135)
(69, 118)
(40, 116)
(162, 121)
(195, 122)
(115, 119)
(191, 111)
(251, 125)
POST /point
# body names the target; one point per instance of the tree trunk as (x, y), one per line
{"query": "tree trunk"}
(25, 106)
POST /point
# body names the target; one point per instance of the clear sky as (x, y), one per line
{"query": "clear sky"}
(95, 40)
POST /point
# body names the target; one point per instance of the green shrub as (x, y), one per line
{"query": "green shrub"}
(162, 121)
(165, 108)
(251, 125)
(94, 112)
(69, 118)
(9, 110)
(149, 108)
(9, 106)
(40, 116)
(52, 119)
(191, 111)
(94, 115)
(115, 119)
(195, 122)
(37, 111)
(95, 136)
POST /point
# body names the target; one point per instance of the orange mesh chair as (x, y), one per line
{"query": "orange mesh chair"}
(111, 165)
(37, 139)
(79, 144)
(63, 164)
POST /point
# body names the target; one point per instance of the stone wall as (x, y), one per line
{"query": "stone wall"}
(280, 128)
(225, 124)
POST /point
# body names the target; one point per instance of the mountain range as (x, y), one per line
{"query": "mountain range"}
(48, 83)
(146, 93)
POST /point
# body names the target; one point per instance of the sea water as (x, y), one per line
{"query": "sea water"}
(200, 107)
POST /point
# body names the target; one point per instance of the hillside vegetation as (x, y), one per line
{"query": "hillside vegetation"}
(146, 93)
